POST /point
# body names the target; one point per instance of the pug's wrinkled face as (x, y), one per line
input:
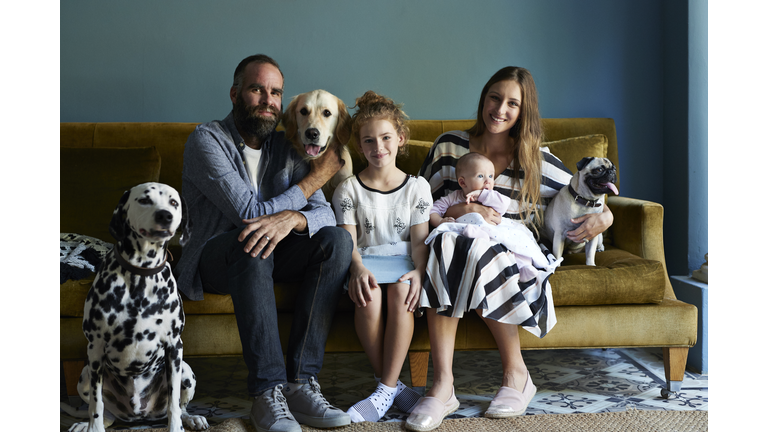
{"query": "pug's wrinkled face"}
(598, 175)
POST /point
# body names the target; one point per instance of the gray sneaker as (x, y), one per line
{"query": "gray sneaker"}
(270, 413)
(309, 407)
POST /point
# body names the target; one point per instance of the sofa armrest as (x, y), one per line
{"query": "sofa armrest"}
(638, 228)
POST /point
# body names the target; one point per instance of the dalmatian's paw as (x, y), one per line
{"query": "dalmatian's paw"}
(194, 422)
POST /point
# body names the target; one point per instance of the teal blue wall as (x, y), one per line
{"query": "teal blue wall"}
(173, 60)
(698, 123)
(685, 133)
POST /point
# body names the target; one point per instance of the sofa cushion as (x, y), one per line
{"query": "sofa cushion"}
(572, 150)
(416, 154)
(619, 277)
(73, 293)
(93, 180)
(168, 138)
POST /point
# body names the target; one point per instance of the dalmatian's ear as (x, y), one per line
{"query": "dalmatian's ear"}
(186, 224)
(583, 162)
(118, 226)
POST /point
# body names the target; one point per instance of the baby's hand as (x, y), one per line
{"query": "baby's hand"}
(447, 219)
(472, 196)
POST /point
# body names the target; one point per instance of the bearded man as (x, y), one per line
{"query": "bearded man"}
(260, 217)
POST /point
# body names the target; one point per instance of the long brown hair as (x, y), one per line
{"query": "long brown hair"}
(526, 136)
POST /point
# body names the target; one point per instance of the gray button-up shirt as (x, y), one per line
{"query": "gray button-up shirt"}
(219, 194)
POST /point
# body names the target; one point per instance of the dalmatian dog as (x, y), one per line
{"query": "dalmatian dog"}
(134, 317)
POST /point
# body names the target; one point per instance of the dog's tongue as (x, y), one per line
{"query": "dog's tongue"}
(312, 150)
(612, 187)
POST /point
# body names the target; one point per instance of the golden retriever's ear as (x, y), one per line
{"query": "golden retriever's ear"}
(289, 120)
(344, 125)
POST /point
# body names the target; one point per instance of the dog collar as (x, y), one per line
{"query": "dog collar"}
(142, 271)
(583, 201)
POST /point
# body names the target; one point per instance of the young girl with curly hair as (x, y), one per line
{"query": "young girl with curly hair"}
(387, 213)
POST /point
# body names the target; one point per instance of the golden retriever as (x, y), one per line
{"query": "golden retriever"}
(316, 122)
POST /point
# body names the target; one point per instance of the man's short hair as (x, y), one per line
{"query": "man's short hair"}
(256, 58)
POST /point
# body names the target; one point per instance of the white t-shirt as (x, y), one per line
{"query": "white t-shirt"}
(251, 159)
(383, 218)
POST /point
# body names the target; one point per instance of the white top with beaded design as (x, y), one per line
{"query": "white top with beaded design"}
(383, 218)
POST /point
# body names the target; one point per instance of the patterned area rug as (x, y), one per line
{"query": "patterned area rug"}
(629, 421)
(568, 382)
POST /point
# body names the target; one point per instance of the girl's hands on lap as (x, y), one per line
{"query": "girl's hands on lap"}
(361, 282)
(414, 290)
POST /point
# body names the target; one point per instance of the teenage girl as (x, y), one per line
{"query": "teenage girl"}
(387, 213)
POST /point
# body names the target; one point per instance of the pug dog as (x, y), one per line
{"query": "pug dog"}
(584, 195)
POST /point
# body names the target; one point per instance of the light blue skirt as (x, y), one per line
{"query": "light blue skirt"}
(388, 269)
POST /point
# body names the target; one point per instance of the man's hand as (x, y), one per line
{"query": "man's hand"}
(268, 230)
(322, 170)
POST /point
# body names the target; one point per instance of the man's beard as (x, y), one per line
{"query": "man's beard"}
(249, 121)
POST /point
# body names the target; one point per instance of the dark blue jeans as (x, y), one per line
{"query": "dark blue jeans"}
(319, 263)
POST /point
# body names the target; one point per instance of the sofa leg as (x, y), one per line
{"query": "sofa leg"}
(674, 370)
(419, 362)
(72, 370)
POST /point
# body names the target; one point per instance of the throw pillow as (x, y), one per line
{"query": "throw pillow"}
(572, 150)
(93, 180)
(416, 154)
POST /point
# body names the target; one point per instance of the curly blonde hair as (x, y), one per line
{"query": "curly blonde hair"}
(373, 106)
(526, 136)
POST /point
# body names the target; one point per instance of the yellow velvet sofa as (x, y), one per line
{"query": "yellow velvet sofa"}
(625, 301)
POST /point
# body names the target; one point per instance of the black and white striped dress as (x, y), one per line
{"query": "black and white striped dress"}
(465, 274)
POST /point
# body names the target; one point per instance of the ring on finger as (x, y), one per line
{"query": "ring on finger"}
(266, 237)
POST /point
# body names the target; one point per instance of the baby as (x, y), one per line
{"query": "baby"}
(475, 174)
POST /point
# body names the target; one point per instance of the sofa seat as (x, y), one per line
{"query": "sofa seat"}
(641, 282)
(670, 323)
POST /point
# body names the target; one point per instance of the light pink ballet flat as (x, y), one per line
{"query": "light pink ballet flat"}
(510, 402)
(429, 413)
